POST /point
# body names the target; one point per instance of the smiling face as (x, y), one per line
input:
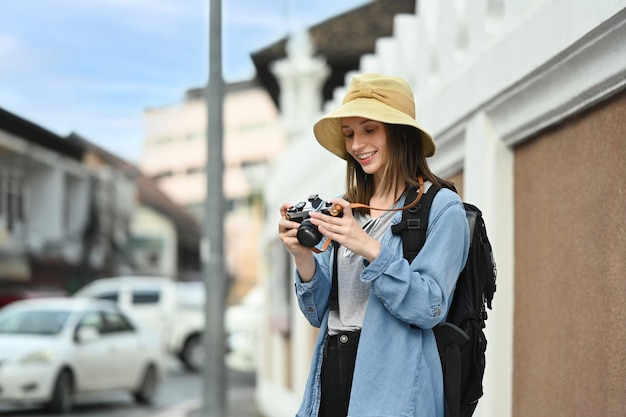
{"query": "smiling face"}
(366, 142)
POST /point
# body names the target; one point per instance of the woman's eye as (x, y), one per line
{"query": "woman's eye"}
(349, 135)
(370, 131)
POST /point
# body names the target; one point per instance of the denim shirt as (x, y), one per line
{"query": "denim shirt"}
(397, 371)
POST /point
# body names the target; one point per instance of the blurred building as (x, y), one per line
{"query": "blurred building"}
(59, 221)
(527, 102)
(71, 212)
(175, 154)
(163, 239)
(341, 41)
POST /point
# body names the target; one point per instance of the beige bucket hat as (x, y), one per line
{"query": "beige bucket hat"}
(377, 97)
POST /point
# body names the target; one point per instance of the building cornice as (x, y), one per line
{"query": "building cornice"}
(567, 76)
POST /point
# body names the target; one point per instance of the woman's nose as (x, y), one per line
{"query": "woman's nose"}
(357, 141)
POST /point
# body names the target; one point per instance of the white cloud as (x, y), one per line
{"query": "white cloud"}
(8, 44)
(13, 54)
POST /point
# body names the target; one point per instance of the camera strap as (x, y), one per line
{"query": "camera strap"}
(336, 210)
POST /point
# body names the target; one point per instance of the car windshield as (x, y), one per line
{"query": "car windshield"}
(46, 322)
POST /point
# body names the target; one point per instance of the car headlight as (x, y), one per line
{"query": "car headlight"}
(42, 356)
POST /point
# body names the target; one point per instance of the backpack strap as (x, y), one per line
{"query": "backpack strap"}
(450, 339)
(414, 198)
(414, 224)
(450, 342)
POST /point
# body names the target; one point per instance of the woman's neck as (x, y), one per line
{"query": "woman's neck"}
(384, 201)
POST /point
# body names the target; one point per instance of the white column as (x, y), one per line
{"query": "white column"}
(387, 50)
(370, 63)
(46, 198)
(301, 77)
(488, 183)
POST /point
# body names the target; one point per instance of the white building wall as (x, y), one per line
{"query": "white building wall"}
(54, 190)
(159, 255)
(46, 196)
(486, 75)
(75, 212)
(488, 183)
(175, 154)
(175, 143)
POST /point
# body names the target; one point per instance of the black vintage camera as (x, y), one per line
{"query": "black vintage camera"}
(308, 235)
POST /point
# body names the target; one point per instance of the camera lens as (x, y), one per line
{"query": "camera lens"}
(308, 235)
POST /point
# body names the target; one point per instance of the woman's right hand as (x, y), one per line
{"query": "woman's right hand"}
(303, 257)
(287, 230)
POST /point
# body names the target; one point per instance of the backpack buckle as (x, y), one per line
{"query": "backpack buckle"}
(414, 224)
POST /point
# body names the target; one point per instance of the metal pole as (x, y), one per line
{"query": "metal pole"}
(214, 277)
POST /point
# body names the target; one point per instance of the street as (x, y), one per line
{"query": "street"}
(179, 387)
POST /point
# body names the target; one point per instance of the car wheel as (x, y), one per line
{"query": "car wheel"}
(147, 388)
(62, 394)
(193, 354)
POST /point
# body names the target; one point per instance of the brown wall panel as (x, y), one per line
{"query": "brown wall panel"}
(570, 274)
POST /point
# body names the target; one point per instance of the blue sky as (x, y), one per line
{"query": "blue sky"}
(93, 66)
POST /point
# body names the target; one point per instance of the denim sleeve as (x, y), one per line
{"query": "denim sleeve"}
(313, 296)
(420, 293)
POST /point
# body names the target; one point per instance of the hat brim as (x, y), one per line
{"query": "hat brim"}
(328, 129)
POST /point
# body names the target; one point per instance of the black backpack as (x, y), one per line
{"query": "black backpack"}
(460, 339)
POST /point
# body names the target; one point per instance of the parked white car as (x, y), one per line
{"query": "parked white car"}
(175, 310)
(53, 349)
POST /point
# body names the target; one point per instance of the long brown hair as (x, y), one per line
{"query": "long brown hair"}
(406, 163)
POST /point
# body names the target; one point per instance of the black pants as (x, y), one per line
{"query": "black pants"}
(337, 370)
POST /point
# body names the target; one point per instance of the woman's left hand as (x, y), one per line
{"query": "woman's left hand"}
(346, 231)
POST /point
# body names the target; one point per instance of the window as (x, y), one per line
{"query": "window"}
(165, 140)
(196, 170)
(33, 321)
(116, 322)
(196, 136)
(12, 209)
(162, 175)
(93, 319)
(111, 296)
(146, 296)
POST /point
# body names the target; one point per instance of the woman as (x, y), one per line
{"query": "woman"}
(376, 354)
